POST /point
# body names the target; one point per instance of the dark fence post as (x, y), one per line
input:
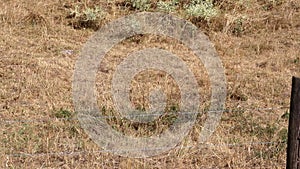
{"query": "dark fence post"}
(293, 149)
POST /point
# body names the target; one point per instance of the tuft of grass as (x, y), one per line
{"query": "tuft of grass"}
(62, 113)
(286, 115)
(238, 27)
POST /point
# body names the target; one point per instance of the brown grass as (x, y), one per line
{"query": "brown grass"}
(260, 54)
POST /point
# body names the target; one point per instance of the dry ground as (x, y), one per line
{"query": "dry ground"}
(40, 42)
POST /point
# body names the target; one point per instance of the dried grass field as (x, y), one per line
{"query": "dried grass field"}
(258, 42)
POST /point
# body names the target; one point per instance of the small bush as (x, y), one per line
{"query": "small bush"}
(201, 8)
(86, 17)
(87, 14)
(167, 6)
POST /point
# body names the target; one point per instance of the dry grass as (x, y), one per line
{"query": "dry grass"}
(39, 46)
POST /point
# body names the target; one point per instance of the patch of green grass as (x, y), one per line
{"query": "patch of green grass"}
(64, 114)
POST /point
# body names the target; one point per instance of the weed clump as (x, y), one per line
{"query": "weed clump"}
(85, 17)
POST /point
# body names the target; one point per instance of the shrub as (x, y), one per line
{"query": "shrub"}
(167, 6)
(201, 8)
(87, 14)
(86, 17)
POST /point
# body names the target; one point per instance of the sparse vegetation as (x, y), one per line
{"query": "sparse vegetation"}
(257, 41)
